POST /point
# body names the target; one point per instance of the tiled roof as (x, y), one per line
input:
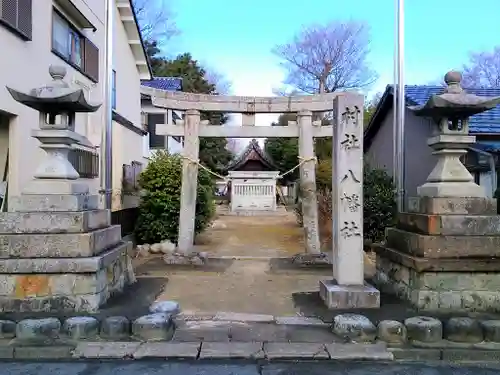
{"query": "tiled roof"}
(241, 159)
(486, 122)
(164, 83)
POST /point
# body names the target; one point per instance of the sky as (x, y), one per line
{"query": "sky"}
(236, 37)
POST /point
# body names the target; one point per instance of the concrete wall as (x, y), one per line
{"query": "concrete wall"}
(419, 160)
(27, 66)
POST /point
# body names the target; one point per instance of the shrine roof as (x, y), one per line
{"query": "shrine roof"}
(253, 151)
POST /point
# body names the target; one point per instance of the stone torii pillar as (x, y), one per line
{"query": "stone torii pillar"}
(308, 183)
(189, 183)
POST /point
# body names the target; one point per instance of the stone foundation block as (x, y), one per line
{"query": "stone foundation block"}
(353, 327)
(54, 202)
(491, 330)
(65, 245)
(442, 246)
(81, 327)
(424, 329)
(452, 206)
(348, 297)
(392, 332)
(53, 222)
(38, 329)
(168, 307)
(456, 289)
(115, 328)
(7, 329)
(465, 330)
(153, 327)
(450, 225)
(78, 284)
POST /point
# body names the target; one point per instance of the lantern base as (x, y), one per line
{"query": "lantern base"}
(451, 190)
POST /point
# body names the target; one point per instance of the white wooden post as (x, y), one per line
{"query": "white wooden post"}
(308, 183)
(348, 289)
(189, 181)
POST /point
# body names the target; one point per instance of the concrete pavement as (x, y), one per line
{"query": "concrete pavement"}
(236, 368)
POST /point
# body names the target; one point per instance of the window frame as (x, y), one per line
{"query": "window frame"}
(72, 31)
(15, 29)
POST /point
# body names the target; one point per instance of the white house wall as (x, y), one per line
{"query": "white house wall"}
(419, 160)
(25, 66)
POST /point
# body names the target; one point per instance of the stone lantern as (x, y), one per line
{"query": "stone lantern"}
(451, 111)
(444, 252)
(58, 104)
(59, 252)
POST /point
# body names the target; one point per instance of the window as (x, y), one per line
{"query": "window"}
(17, 15)
(86, 163)
(70, 45)
(66, 41)
(113, 90)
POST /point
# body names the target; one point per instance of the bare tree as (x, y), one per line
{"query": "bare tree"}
(327, 58)
(233, 145)
(156, 20)
(482, 70)
(222, 84)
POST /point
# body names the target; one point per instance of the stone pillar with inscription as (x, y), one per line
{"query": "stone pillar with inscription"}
(308, 183)
(348, 289)
(189, 185)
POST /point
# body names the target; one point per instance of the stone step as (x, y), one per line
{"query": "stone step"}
(420, 264)
(63, 245)
(64, 265)
(452, 206)
(54, 202)
(239, 331)
(54, 222)
(450, 225)
(437, 246)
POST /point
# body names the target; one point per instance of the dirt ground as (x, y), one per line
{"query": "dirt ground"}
(249, 280)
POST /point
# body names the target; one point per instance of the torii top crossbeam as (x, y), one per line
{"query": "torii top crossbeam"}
(239, 104)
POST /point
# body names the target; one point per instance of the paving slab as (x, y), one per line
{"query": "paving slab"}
(232, 350)
(258, 332)
(109, 350)
(372, 352)
(178, 350)
(242, 317)
(415, 354)
(43, 352)
(310, 334)
(203, 330)
(295, 350)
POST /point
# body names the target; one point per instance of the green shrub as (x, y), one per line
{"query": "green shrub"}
(160, 204)
(379, 203)
(324, 174)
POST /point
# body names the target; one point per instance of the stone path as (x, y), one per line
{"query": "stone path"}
(250, 275)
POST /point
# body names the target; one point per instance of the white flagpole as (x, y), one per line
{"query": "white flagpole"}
(399, 108)
(395, 98)
(106, 152)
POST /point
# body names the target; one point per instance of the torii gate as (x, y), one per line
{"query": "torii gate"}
(348, 289)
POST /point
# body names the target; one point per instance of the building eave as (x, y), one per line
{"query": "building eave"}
(135, 40)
